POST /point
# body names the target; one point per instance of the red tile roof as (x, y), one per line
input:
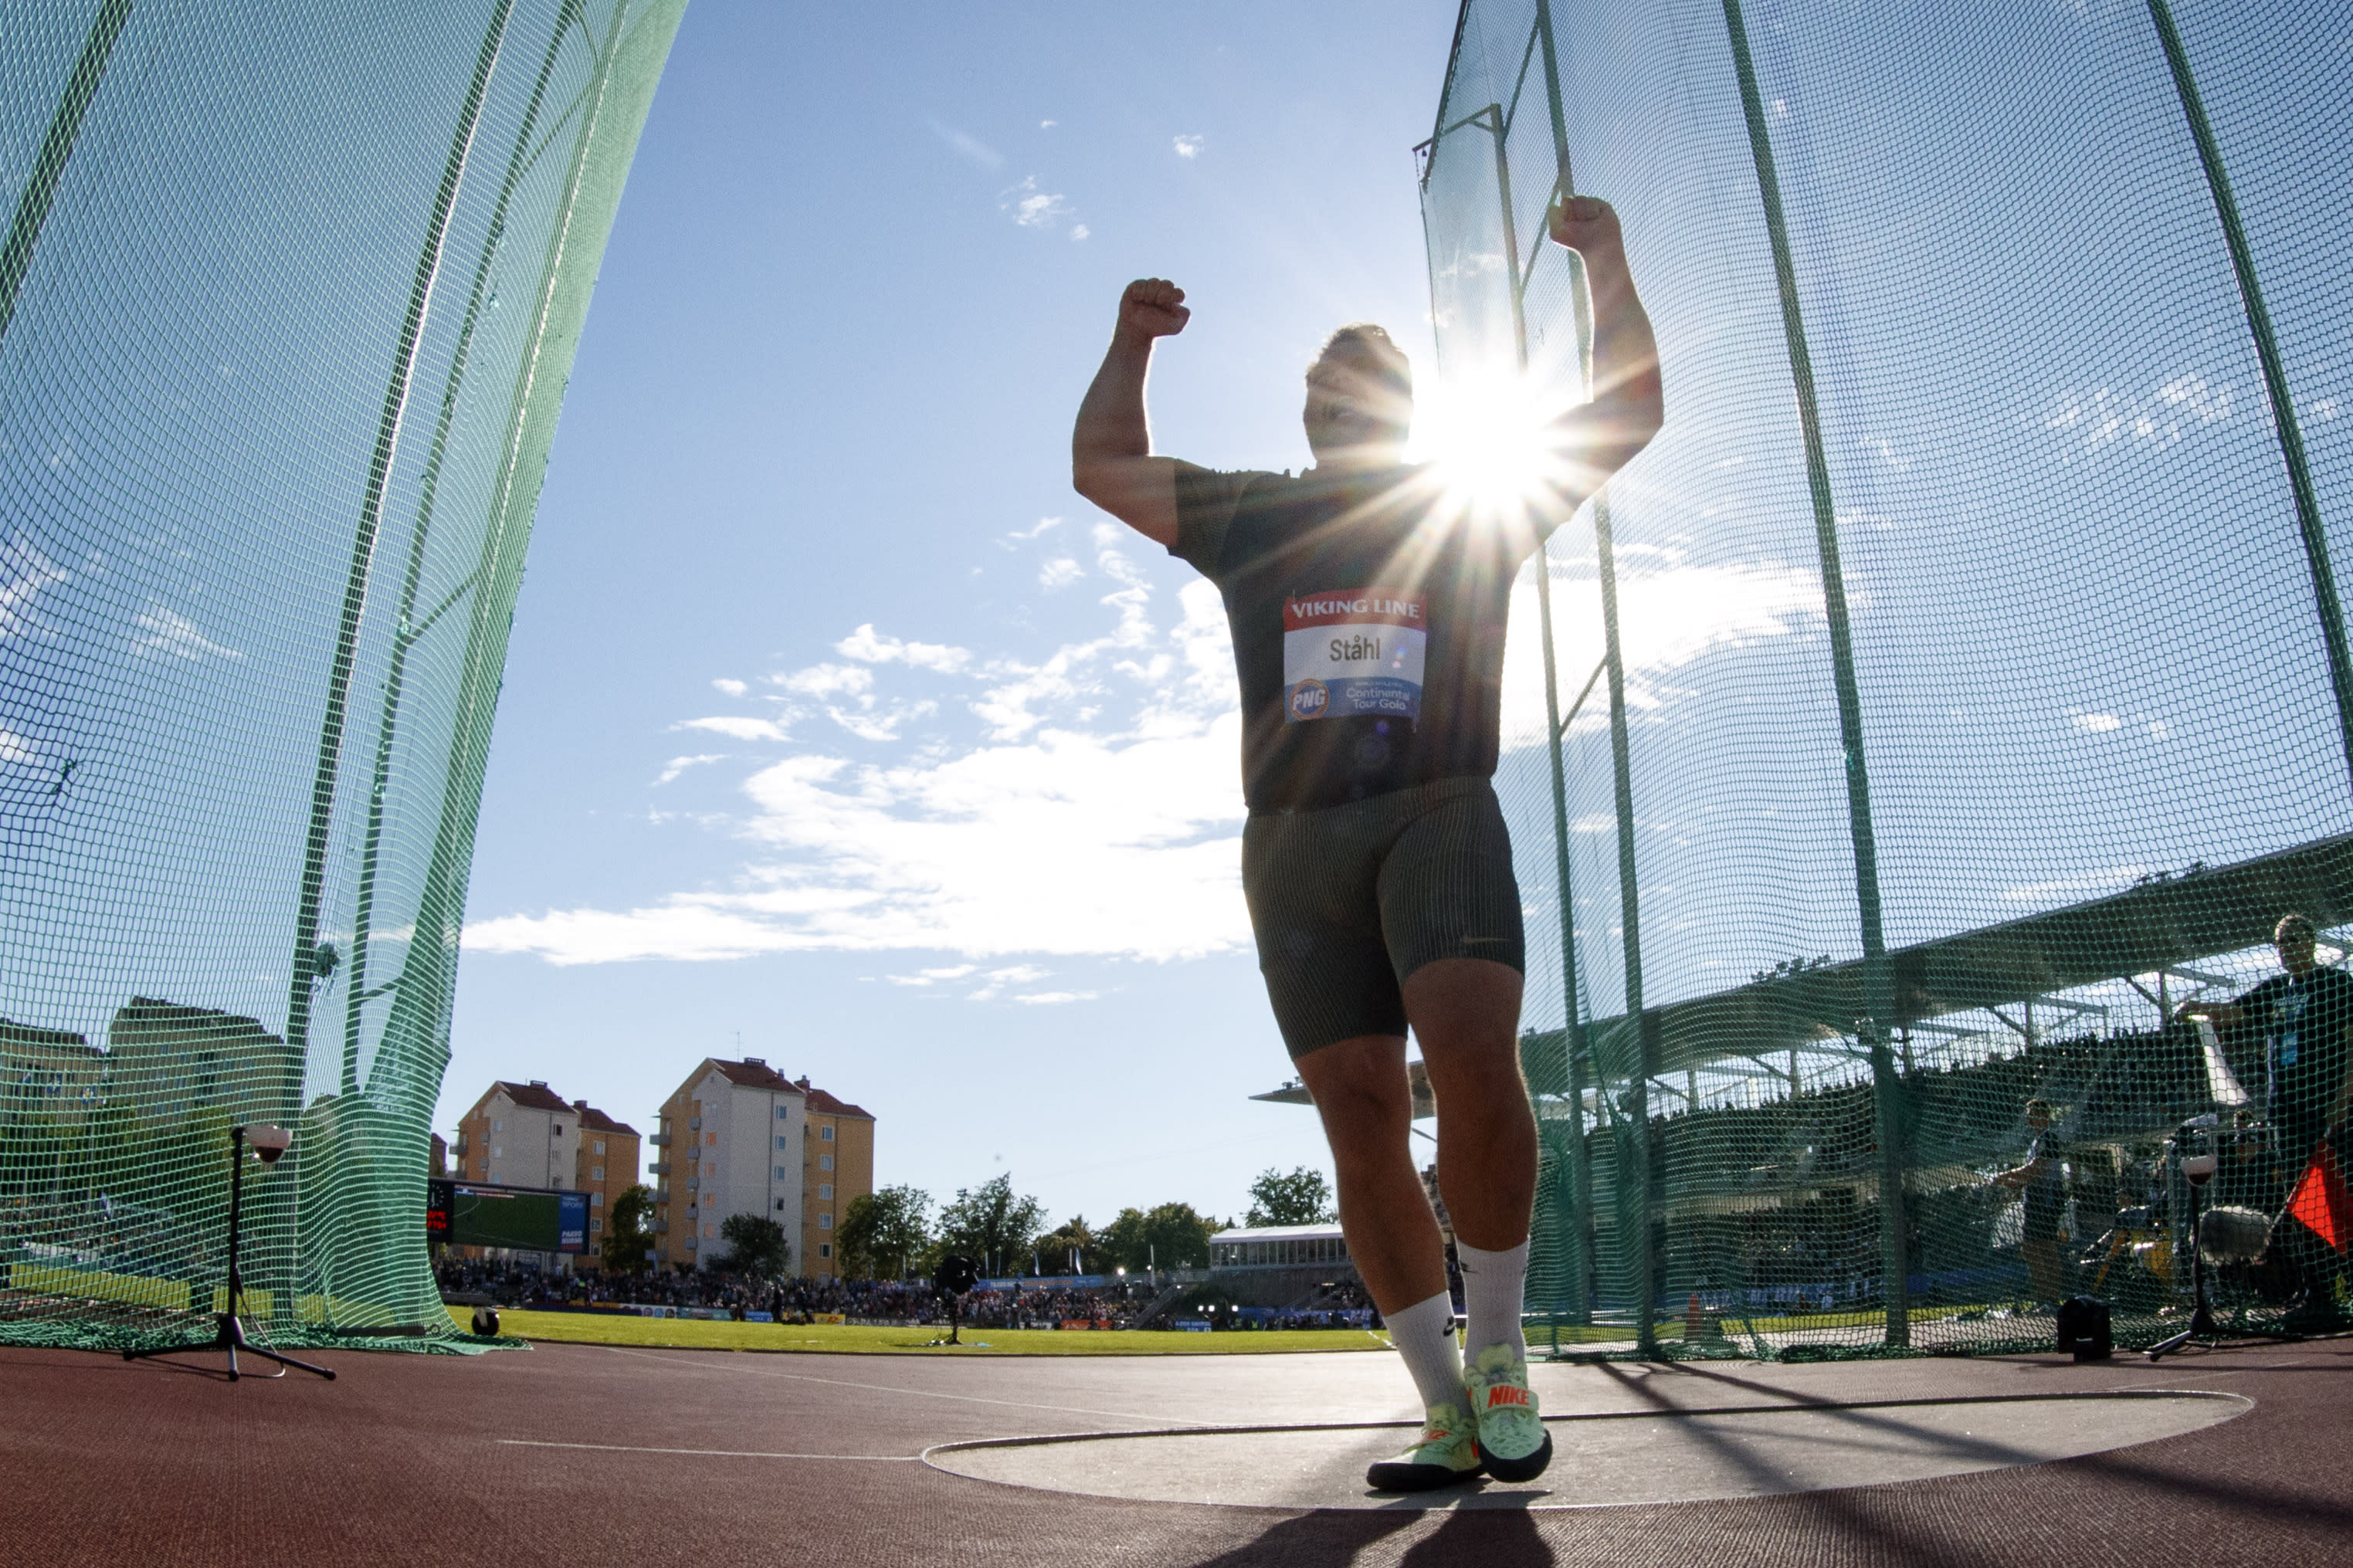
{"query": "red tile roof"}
(825, 1104)
(597, 1121)
(755, 1075)
(533, 1096)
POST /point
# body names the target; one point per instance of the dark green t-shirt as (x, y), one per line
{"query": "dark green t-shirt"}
(2302, 1023)
(1367, 617)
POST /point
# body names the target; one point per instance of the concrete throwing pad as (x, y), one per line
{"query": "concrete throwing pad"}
(1599, 1459)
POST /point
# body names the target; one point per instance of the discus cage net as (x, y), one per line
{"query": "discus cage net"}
(287, 307)
(1958, 684)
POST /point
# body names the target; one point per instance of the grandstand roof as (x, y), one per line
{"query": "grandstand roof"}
(1279, 1233)
(2162, 923)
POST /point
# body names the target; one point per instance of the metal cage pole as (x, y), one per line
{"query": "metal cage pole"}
(57, 152)
(309, 968)
(2274, 368)
(1878, 1003)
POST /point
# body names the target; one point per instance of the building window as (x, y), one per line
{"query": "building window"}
(709, 1230)
(497, 1153)
(782, 1174)
(780, 1205)
(595, 1226)
(710, 1140)
(595, 1173)
(783, 1112)
(825, 1249)
(595, 1200)
(556, 1130)
(599, 1146)
(825, 1222)
(825, 1134)
(825, 1162)
(783, 1142)
(825, 1191)
(500, 1125)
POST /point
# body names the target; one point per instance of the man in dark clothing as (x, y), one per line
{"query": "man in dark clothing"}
(2305, 1019)
(1367, 606)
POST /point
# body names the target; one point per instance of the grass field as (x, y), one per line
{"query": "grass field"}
(686, 1334)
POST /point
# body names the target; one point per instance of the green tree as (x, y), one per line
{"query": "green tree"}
(758, 1244)
(1055, 1248)
(990, 1224)
(627, 1241)
(1302, 1198)
(1169, 1236)
(886, 1230)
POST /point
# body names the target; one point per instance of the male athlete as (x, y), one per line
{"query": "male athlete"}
(1367, 614)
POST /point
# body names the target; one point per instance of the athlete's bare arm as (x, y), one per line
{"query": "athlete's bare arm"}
(1110, 448)
(1599, 437)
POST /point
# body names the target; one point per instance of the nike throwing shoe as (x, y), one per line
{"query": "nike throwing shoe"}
(1447, 1452)
(1512, 1438)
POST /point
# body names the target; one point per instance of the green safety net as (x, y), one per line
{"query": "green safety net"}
(1958, 685)
(287, 308)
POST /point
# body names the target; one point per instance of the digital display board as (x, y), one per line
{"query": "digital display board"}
(526, 1220)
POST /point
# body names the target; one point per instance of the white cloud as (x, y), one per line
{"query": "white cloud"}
(967, 147)
(870, 725)
(1670, 611)
(173, 635)
(1047, 124)
(2095, 723)
(677, 765)
(1080, 231)
(1044, 523)
(1053, 835)
(2096, 421)
(24, 572)
(1188, 146)
(731, 688)
(828, 681)
(737, 729)
(15, 748)
(1060, 572)
(1054, 998)
(933, 976)
(865, 644)
(1031, 208)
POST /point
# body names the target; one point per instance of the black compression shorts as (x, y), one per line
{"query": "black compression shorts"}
(1349, 900)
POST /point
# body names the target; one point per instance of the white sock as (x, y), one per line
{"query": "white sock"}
(1424, 1334)
(1495, 1284)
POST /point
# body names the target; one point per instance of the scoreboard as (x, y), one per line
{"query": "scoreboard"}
(526, 1220)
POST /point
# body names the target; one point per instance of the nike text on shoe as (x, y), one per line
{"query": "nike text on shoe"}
(1512, 1438)
(1446, 1453)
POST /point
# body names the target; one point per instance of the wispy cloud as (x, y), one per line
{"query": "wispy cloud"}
(1054, 998)
(1188, 146)
(1060, 572)
(24, 572)
(1031, 208)
(2112, 879)
(677, 765)
(731, 688)
(169, 634)
(15, 748)
(1096, 815)
(738, 728)
(972, 149)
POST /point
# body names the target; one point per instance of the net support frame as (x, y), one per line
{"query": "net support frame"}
(57, 152)
(2277, 392)
(1879, 995)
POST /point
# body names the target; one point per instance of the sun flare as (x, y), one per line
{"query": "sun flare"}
(1490, 439)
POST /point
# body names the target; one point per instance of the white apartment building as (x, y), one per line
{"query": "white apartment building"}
(730, 1142)
(520, 1135)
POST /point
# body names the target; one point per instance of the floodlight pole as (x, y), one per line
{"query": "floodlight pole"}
(1878, 990)
(2274, 367)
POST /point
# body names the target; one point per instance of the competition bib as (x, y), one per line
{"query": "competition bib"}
(1351, 653)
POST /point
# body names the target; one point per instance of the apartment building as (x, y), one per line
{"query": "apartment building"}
(520, 1135)
(838, 1158)
(730, 1142)
(606, 1167)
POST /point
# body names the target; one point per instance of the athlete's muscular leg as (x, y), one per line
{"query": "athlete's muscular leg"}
(1466, 1011)
(1361, 1092)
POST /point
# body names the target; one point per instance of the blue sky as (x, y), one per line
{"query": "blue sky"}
(834, 721)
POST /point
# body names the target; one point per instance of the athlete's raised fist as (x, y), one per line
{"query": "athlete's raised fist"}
(1153, 307)
(1586, 223)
